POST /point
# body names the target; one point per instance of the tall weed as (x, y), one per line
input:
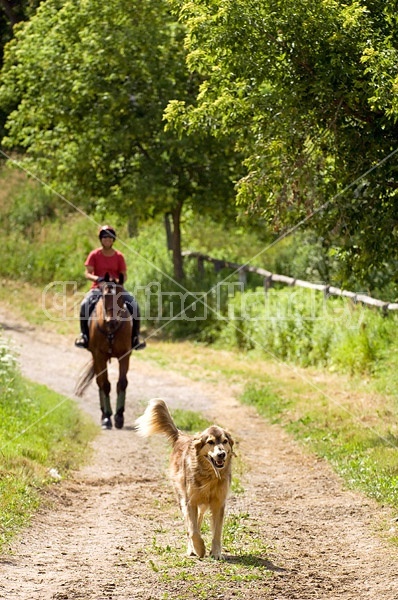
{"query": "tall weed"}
(303, 327)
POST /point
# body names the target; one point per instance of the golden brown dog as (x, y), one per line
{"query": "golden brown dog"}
(200, 469)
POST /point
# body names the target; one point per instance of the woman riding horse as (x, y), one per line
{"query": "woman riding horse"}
(110, 327)
(99, 262)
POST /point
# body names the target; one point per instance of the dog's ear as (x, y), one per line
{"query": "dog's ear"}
(231, 441)
(199, 441)
(229, 438)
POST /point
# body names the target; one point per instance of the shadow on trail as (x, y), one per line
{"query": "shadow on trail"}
(249, 560)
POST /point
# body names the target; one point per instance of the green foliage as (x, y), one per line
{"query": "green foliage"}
(294, 101)
(85, 87)
(292, 324)
(39, 431)
(81, 102)
(307, 92)
(52, 253)
(29, 211)
(302, 327)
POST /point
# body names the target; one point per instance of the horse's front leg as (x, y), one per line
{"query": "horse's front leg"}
(104, 388)
(121, 391)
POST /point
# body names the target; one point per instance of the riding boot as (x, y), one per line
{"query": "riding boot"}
(86, 308)
(82, 341)
(136, 344)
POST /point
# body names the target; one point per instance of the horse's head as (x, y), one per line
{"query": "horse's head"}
(108, 279)
(112, 294)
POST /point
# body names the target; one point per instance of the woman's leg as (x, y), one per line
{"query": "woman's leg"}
(134, 310)
(86, 308)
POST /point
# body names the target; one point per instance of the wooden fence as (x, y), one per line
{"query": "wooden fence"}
(269, 278)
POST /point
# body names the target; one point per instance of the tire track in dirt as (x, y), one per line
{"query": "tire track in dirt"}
(92, 539)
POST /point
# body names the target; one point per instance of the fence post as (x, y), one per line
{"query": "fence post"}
(242, 276)
(218, 265)
(267, 282)
(201, 268)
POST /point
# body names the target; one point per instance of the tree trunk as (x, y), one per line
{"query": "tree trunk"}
(132, 226)
(169, 233)
(176, 237)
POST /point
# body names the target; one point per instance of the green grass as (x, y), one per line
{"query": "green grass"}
(360, 444)
(189, 420)
(245, 562)
(301, 327)
(42, 435)
(350, 422)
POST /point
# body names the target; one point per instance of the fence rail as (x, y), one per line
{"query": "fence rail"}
(269, 278)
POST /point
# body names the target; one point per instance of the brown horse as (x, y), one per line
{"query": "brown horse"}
(110, 327)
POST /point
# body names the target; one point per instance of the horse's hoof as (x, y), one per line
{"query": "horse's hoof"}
(119, 421)
(106, 423)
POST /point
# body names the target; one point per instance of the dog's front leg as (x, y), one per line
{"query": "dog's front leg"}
(196, 544)
(217, 521)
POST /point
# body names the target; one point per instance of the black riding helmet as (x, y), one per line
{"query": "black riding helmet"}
(106, 231)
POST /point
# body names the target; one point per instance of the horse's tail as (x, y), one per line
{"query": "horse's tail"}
(85, 378)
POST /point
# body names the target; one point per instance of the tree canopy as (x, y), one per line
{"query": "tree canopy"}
(85, 86)
(309, 92)
(295, 100)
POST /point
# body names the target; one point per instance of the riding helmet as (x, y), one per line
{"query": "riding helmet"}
(107, 231)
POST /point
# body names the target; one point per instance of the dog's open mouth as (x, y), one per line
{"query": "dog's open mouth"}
(218, 463)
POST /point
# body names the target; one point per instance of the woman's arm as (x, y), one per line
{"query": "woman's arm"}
(89, 274)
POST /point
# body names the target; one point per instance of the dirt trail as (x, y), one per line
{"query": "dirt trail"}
(95, 540)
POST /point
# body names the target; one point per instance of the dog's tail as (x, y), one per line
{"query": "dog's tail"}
(157, 419)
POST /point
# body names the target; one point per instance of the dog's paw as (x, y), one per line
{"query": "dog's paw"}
(215, 553)
(190, 549)
(196, 546)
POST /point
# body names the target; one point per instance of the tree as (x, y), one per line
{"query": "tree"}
(11, 12)
(308, 91)
(85, 86)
